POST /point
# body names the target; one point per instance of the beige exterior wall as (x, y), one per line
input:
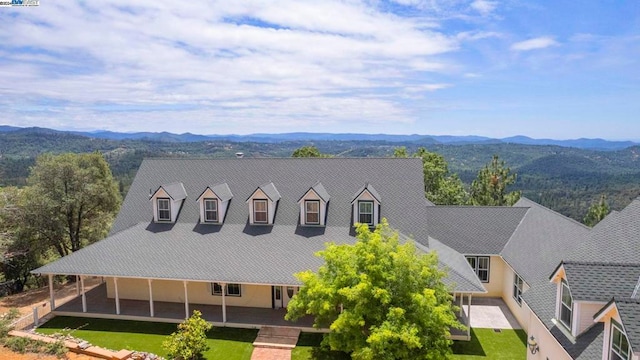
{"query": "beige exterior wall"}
(549, 348)
(495, 285)
(198, 292)
(520, 312)
(585, 312)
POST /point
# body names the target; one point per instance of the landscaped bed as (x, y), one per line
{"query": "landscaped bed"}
(224, 343)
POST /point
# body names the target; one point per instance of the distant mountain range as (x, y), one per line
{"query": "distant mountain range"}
(582, 143)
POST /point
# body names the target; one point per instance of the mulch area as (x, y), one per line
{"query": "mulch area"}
(6, 354)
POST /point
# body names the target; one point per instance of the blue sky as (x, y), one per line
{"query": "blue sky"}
(554, 69)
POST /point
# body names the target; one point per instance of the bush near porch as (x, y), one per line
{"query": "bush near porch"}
(224, 343)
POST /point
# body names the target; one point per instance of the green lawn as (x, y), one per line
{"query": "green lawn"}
(488, 344)
(224, 343)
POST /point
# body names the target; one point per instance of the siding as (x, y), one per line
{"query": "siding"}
(585, 314)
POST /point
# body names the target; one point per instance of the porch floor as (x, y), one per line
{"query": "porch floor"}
(99, 305)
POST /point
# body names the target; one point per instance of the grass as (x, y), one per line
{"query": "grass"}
(488, 344)
(224, 343)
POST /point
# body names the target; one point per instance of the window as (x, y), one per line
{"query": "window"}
(260, 211)
(210, 210)
(480, 264)
(517, 288)
(365, 212)
(312, 212)
(164, 209)
(619, 343)
(567, 305)
(230, 290)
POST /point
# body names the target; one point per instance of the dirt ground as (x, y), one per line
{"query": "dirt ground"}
(25, 302)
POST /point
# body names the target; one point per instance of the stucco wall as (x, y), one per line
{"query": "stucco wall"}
(549, 348)
(520, 312)
(496, 278)
(198, 292)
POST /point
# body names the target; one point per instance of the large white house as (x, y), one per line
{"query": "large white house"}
(226, 237)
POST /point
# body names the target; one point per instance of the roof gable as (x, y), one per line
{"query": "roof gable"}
(174, 190)
(367, 188)
(319, 190)
(269, 190)
(221, 191)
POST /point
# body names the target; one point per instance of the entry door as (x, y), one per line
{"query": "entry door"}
(287, 294)
(277, 297)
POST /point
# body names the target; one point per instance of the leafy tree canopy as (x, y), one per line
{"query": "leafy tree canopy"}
(440, 186)
(189, 342)
(380, 299)
(308, 151)
(71, 200)
(597, 211)
(490, 187)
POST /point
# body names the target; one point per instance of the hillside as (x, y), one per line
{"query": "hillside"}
(562, 178)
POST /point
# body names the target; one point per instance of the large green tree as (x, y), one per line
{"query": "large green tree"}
(597, 211)
(490, 186)
(71, 200)
(308, 151)
(379, 298)
(440, 186)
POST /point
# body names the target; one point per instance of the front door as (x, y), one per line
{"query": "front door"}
(287, 294)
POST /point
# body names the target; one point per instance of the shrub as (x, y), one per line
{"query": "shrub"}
(56, 348)
(190, 340)
(5, 322)
(18, 344)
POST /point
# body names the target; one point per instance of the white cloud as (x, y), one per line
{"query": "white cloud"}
(534, 44)
(484, 7)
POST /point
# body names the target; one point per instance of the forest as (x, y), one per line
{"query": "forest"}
(565, 179)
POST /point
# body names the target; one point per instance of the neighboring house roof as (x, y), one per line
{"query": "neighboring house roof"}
(174, 190)
(597, 281)
(477, 230)
(239, 252)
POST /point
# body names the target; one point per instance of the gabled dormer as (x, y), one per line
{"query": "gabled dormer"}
(621, 330)
(213, 203)
(313, 206)
(263, 203)
(167, 201)
(366, 206)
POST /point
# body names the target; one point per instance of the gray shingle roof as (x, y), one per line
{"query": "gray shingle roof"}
(600, 281)
(236, 251)
(222, 191)
(477, 230)
(629, 311)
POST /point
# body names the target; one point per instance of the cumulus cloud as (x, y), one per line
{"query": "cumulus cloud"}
(484, 7)
(534, 44)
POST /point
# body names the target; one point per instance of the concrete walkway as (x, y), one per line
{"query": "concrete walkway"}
(274, 343)
(491, 313)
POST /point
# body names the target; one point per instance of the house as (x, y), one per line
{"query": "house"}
(226, 237)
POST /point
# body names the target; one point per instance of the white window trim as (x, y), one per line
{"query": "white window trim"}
(360, 213)
(306, 212)
(159, 209)
(216, 211)
(618, 327)
(266, 211)
(563, 286)
(477, 268)
(226, 290)
(517, 290)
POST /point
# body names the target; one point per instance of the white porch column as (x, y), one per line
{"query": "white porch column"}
(186, 301)
(469, 317)
(461, 304)
(151, 312)
(84, 295)
(77, 285)
(224, 304)
(115, 284)
(52, 301)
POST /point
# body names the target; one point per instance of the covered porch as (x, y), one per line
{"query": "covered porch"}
(96, 304)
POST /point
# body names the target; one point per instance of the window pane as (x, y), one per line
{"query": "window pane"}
(164, 211)
(260, 211)
(312, 218)
(260, 205)
(233, 289)
(313, 206)
(483, 275)
(366, 207)
(472, 262)
(216, 289)
(483, 263)
(366, 218)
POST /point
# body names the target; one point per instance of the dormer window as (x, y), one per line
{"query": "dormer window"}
(167, 201)
(260, 211)
(313, 206)
(263, 204)
(566, 306)
(214, 202)
(210, 210)
(366, 206)
(164, 209)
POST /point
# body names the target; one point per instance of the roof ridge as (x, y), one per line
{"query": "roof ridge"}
(557, 213)
(603, 263)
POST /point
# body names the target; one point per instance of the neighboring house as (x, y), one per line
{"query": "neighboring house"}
(231, 234)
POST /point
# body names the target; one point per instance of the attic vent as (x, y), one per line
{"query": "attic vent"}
(239, 155)
(636, 291)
